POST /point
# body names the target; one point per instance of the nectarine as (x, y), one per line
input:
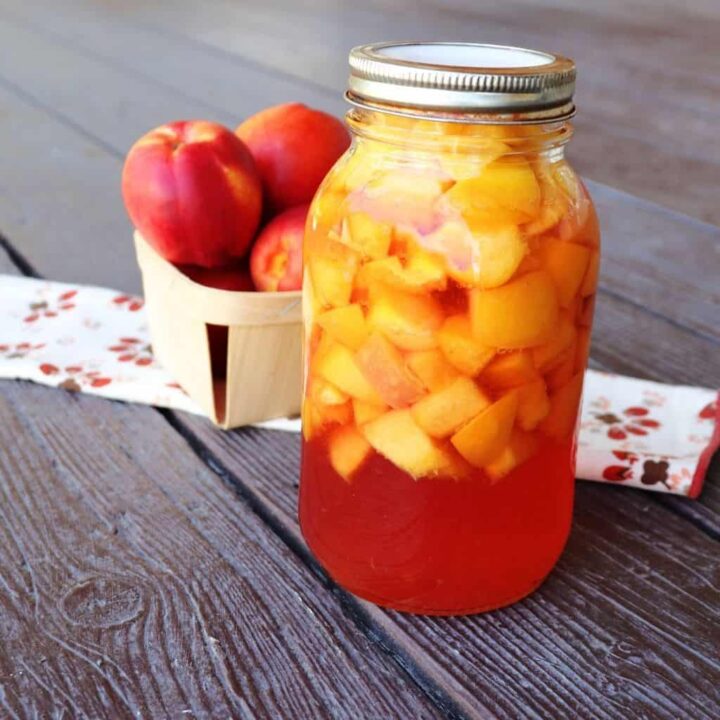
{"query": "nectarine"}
(191, 188)
(276, 257)
(294, 147)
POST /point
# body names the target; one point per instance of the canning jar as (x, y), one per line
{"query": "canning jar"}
(451, 261)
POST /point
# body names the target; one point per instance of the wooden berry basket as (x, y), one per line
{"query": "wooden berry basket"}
(264, 345)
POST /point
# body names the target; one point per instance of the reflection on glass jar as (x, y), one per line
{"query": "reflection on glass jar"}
(451, 261)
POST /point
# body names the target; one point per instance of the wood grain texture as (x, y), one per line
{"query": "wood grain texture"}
(626, 626)
(134, 584)
(648, 86)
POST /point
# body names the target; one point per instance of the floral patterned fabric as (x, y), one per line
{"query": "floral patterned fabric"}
(94, 340)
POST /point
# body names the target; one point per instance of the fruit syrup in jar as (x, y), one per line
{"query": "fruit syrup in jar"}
(450, 277)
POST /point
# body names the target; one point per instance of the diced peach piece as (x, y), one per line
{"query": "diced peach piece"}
(582, 349)
(332, 267)
(484, 437)
(510, 187)
(315, 417)
(548, 354)
(325, 393)
(366, 235)
(465, 165)
(348, 449)
(522, 447)
(533, 404)
(517, 315)
(510, 369)
(431, 367)
(345, 324)
(422, 273)
(396, 436)
(460, 348)
(586, 311)
(403, 197)
(384, 367)
(408, 321)
(337, 365)
(496, 253)
(364, 412)
(554, 201)
(589, 283)
(445, 411)
(564, 406)
(563, 371)
(566, 262)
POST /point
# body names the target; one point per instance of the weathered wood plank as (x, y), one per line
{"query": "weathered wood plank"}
(625, 627)
(140, 585)
(607, 50)
(641, 240)
(134, 584)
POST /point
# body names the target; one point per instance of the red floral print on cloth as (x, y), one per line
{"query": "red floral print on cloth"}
(73, 377)
(50, 309)
(14, 351)
(644, 434)
(131, 303)
(633, 420)
(134, 350)
(634, 433)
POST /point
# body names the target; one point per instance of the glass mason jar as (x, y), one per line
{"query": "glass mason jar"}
(451, 261)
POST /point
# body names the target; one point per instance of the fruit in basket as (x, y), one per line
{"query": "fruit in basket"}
(276, 256)
(230, 277)
(294, 147)
(192, 190)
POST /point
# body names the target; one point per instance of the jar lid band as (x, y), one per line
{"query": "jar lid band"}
(460, 78)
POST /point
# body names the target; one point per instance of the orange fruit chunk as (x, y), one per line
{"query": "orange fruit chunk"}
(533, 404)
(589, 283)
(347, 449)
(507, 370)
(522, 447)
(332, 267)
(567, 263)
(384, 367)
(408, 321)
(431, 367)
(345, 324)
(337, 365)
(496, 253)
(396, 436)
(325, 393)
(422, 273)
(563, 371)
(365, 412)
(364, 234)
(316, 417)
(582, 349)
(441, 413)
(564, 404)
(484, 437)
(503, 189)
(548, 354)
(517, 315)
(460, 348)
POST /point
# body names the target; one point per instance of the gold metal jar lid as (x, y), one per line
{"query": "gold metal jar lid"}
(455, 77)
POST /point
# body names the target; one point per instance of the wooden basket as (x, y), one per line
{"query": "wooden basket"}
(264, 348)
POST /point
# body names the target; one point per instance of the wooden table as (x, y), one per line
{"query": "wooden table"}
(152, 566)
